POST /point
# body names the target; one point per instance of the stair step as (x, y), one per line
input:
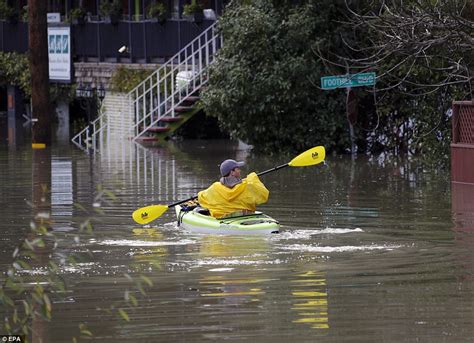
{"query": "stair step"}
(192, 98)
(157, 129)
(147, 139)
(183, 108)
(171, 119)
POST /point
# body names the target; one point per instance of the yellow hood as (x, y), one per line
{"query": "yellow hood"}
(221, 200)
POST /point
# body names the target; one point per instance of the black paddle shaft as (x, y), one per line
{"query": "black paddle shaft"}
(259, 174)
(273, 169)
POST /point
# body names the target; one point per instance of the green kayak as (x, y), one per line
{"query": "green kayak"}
(199, 220)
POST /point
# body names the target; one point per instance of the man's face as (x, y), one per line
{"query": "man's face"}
(235, 172)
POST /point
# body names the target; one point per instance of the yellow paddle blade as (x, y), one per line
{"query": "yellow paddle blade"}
(309, 157)
(148, 214)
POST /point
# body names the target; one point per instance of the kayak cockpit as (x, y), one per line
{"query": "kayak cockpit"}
(199, 220)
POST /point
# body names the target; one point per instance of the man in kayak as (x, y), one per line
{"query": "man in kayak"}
(232, 195)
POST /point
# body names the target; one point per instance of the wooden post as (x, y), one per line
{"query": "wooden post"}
(41, 200)
(39, 65)
(352, 111)
(15, 111)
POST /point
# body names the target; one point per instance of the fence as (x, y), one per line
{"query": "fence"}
(98, 41)
(462, 144)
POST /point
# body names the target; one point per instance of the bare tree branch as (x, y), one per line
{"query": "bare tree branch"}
(399, 34)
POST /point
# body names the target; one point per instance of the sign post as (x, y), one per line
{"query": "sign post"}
(349, 81)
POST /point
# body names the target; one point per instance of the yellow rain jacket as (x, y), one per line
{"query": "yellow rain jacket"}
(221, 200)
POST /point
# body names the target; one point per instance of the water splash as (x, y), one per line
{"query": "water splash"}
(298, 234)
(221, 269)
(236, 262)
(139, 243)
(349, 248)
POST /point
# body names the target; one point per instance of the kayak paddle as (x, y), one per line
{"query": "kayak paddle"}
(310, 157)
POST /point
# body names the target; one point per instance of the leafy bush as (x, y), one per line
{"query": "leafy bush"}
(124, 79)
(261, 86)
(264, 86)
(193, 7)
(108, 8)
(157, 10)
(24, 13)
(77, 13)
(6, 11)
(14, 70)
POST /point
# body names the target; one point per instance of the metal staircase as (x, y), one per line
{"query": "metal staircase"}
(159, 98)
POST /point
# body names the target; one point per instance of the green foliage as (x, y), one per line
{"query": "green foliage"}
(405, 123)
(264, 84)
(108, 8)
(6, 11)
(63, 92)
(33, 282)
(14, 70)
(262, 87)
(125, 79)
(24, 13)
(193, 7)
(32, 292)
(157, 10)
(77, 13)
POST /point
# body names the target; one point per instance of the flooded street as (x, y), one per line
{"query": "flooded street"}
(370, 250)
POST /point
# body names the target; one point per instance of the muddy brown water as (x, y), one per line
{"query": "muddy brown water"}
(371, 249)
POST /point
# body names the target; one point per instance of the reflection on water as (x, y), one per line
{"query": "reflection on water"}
(371, 249)
(311, 303)
(463, 216)
(151, 254)
(61, 188)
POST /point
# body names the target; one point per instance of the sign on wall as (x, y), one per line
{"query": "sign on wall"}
(59, 52)
(53, 17)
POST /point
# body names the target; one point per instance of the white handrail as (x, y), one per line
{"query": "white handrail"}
(157, 96)
(86, 140)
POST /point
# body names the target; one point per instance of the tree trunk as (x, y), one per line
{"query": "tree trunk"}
(39, 67)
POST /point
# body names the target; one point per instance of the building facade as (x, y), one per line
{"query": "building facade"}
(97, 39)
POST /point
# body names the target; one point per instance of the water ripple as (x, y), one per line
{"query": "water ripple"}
(307, 233)
(312, 248)
(135, 243)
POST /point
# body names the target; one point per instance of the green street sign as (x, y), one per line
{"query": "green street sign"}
(346, 81)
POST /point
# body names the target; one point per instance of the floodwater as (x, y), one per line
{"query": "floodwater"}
(371, 249)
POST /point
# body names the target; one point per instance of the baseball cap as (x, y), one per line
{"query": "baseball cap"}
(228, 165)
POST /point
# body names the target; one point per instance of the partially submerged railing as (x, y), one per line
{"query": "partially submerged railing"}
(92, 137)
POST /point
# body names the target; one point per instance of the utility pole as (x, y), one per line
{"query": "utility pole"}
(39, 67)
